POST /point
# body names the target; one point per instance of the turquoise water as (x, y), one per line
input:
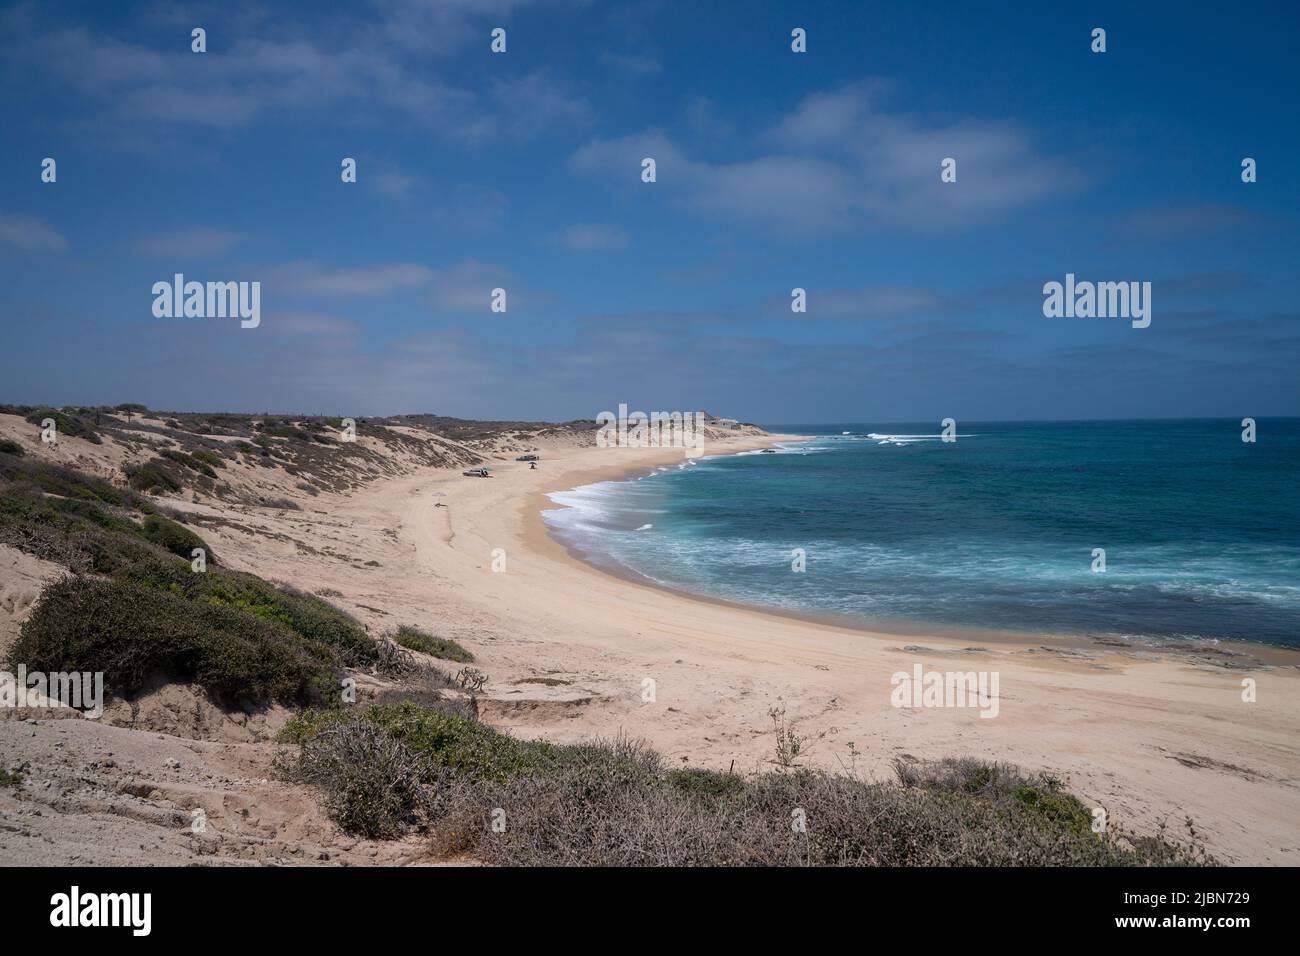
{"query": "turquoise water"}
(1201, 531)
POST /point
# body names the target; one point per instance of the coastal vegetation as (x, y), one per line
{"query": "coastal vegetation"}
(415, 639)
(134, 606)
(393, 768)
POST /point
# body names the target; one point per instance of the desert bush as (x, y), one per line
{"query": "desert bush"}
(176, 538)
(417, 640)
(705, 782)
(153, 476)
(393, 660)
(66, 483)
(471, 679)
(189, 461)
(312, 619)
(373, 785)
(9, 447)
(285, 430)
(1035, 795)
(79, 534)
(612, 803)
(445, 739)
(429, 697)
(131, 632)
(67, 425)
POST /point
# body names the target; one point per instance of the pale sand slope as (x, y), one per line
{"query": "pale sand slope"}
(1145, 736)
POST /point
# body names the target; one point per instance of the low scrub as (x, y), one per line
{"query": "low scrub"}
(312, 619)
(82, 522)
(175, 538)
(132, 633)
(613, 803)
(237, 635)
(78, 533)
(412, 638)
(73, 426)
(67, 483)
(191, 462)
(156, 475)
(373, 784)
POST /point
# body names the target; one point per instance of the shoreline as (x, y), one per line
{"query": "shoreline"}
(569, 651)
(538, 533)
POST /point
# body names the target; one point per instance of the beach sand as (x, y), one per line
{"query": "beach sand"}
(1148, 736)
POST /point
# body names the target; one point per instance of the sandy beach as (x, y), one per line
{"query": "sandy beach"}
(1146, 736)
(570, 651)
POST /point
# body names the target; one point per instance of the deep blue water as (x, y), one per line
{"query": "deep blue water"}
(997, 529)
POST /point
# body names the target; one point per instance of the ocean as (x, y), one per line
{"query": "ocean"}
(998, 529)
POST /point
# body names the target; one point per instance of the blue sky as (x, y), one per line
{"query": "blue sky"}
(775, 170)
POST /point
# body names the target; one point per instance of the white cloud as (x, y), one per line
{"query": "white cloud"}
(310, 278)
(30, 233)
(593, 236)
(198, 243)
(530, 105)
(872, 302)
(307, 324)
(467, 287)
(637, 65)
(348, 69)
(839, 162)
(393, 182)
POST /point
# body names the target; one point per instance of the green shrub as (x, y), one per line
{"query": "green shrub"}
(613, 804)
(412, 638)
(443, 739)
(190, 462)
(285, 431)
(314, 619)
(1059, 809)
(176, 538)
(705, 782)
(76, 533)
(372, 783)
(67, 425)
(130, 632)
(10, 447)
(153, 475)
(66, 483)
